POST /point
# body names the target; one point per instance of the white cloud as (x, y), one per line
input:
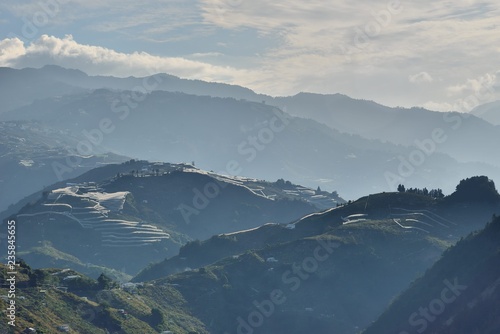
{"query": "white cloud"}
(206, 54)
(10, 50)
(280, 47)
(473, 86)
(422, 77)
(91, 59)
(347, 46)
(437, 106)
(467, 95)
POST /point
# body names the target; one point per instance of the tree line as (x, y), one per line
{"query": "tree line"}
(434, 193)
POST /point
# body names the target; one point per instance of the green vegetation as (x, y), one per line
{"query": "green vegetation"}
(460, 292)
(49, 298)
(334, 271)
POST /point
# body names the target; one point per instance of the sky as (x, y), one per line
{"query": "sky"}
(441, 55)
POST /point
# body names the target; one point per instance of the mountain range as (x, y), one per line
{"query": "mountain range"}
(93, 221)
(165, 205)
(334, 271)
(309, 139)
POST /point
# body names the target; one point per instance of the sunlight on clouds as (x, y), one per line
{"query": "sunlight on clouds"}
(467, 95)
(474, 85)
(10, 50)
(321, 40)
(423, 51)
(98, 60)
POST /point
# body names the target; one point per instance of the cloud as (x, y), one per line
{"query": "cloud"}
(437, 106)
(91, 59)
(347, 46)
(423, 52)
(10, 50)
(422, 77)
(473, 86)
(206, 54)
(467, 95)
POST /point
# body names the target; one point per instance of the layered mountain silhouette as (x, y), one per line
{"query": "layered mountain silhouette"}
(490, 112)
(330, 139)
(165, 205)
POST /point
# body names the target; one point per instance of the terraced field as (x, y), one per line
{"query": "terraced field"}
(91, 208)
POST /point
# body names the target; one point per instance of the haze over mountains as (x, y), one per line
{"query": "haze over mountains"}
(154, 207)
(158, 204)
(359, 146)
(28, 153)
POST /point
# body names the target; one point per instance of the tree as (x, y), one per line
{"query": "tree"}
(105, 283)
(476, 188)
(38, 277)
(156, 317)
(401, 188)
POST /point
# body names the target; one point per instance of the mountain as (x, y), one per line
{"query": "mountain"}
(446, 219)
(468, 138)
(125, 216)
(62, 300)
(55, 81)
(465, 137)
(362, 129)
(490, 112)
(330, 272)
(246, 138)
(459, 294)
(29, 153)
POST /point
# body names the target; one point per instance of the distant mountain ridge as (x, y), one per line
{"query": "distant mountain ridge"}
(490, 112)
(363, 130)
(28, 153)
(241, 137)
(53, 80)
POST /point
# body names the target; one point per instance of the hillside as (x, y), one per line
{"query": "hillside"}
(55, 300)
(125, 221)
(334, 271)
(445, 220)
(459, 294)
(29, 151)
(469, 139)
(330, 272)
(246, 138)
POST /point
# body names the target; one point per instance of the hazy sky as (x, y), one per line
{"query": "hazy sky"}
(427, 53)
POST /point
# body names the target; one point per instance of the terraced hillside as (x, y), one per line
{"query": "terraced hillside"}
(64, 301)
(335, 271)
(91, 208)
(441, 221)
(142, 212)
